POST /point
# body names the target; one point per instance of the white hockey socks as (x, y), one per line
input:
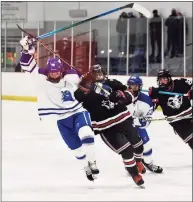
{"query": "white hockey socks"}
(147, 153)
(87, 138)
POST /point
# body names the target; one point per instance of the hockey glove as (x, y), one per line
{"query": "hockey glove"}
(102, 89)
(117, 96)
(86, 83)
(27, 45)
(153, 92)
(142, 122)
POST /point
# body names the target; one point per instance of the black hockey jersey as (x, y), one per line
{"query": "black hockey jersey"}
(105, 113)
(175, 105)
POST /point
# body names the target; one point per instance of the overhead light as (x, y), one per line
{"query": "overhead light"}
(110, 50)
(102, 51)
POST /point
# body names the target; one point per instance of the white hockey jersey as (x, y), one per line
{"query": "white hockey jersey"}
(55, 100)
(143, 110)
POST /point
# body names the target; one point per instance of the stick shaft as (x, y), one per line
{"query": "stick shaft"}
(167, 93)
(169, 119)
(42, 43)
(84, 21)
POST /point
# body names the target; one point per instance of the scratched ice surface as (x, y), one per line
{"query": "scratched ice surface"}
(37, 165)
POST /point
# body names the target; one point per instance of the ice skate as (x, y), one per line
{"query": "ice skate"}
(153, 168)
(138, 180)
(93, 167)
(141, 167)
(89, 174)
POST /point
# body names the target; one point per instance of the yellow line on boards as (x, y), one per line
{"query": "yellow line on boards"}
(19, 98)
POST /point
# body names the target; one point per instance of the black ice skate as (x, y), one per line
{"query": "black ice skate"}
(93, 168)
(89, 174)
(153, 168)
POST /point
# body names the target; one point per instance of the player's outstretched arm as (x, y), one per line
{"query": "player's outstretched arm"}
(116, 85)
(27, 60)
(85, 86)
(121, 97)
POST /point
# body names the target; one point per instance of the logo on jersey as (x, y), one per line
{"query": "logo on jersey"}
(108, 104)
(189, 82)
(175, 102)
(66, 96)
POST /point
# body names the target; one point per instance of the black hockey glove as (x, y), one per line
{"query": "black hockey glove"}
(154, 92)
(86, 83)
(117, 96)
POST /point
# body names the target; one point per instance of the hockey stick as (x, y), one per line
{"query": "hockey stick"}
(168, 93)
(133, 6)
(46, 47)
(170, 119)
(160, 119)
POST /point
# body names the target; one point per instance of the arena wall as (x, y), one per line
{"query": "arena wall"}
(95, 8)
(22, 86)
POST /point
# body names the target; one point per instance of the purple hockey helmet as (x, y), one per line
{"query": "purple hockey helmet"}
(54, 65)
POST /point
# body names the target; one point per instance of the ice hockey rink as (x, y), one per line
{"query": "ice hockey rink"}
(37, 165)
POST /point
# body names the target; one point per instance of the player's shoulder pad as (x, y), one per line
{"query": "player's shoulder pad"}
(71, 71)
(145, 98)
(113, 80)
(183, 81)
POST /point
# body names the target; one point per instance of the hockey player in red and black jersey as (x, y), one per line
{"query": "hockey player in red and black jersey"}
(107, 101)
(177, 108)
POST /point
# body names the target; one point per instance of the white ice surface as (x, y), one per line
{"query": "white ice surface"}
(37, 165)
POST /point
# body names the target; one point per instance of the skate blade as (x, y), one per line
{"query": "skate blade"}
(94, 176)
(141, 186)
(154, 172)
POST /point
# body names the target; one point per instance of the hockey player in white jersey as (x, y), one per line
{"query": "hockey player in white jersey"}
(142, 118)
(57, 84)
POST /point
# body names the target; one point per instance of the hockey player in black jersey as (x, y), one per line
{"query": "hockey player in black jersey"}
(111, 118)
(177, 109)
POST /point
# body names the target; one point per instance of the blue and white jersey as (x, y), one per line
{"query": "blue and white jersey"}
(143, 110)
(55, 100)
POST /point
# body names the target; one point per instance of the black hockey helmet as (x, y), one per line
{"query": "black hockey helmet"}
(164, 74)
(98, 73)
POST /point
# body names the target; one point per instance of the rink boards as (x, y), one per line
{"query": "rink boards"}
(22, 86)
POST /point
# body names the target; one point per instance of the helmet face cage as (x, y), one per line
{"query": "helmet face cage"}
(164, 74)
(98, 73)
(54, 70)
(135, 81)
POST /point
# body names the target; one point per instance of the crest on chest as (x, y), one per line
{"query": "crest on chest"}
(175, 102)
